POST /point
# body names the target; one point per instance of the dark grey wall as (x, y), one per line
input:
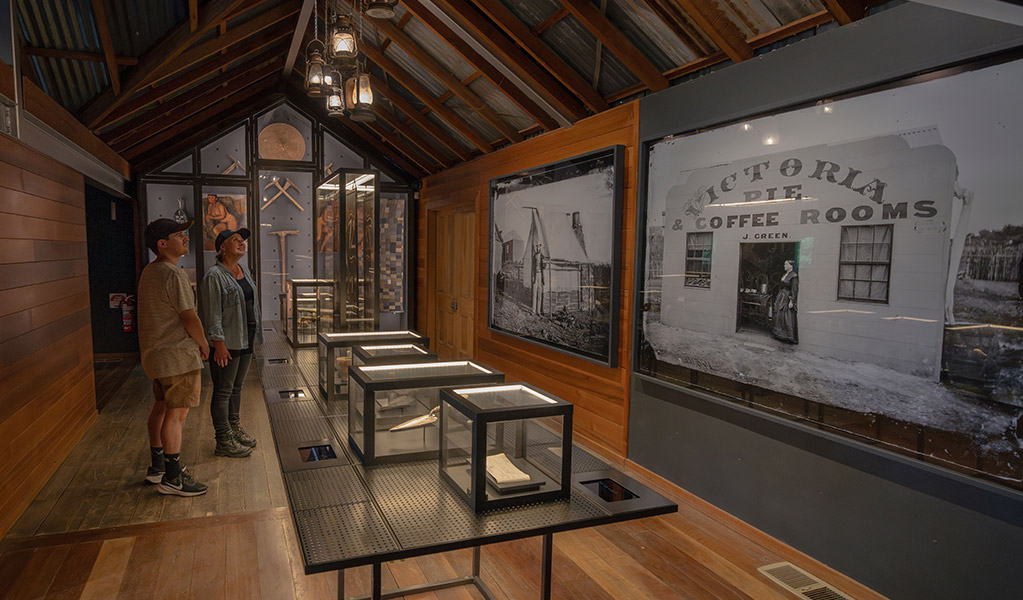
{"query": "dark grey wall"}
(907, 529)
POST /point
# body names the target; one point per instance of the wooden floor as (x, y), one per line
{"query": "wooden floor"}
(96, 531)
(110, 374)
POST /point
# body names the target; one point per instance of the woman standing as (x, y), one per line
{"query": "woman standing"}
(785, 327)
(230, 312)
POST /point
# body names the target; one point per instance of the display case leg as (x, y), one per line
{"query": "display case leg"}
(375, 592)
(340, 584)
(545, 575)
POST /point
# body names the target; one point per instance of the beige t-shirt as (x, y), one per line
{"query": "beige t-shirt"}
(166, 348)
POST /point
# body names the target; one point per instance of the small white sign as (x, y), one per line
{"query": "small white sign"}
(117, 299)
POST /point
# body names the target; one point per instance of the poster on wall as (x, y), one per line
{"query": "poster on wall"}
(865, 254)
(221, 212)
(554, 254)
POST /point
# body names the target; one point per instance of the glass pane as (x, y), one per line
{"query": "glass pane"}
(863, 272)
(879, 273)
(175, 202)
(847, 271)
(863, 252)
(849, 235)
(883, 234)
(284, 134)
(845, 288)
(392, 255)
(848, 252)
(226, 155)
(882, 252)
(223, 208)
(181, 167)
(879, 291)
(861, 289)
(336, 155)
(285, 229)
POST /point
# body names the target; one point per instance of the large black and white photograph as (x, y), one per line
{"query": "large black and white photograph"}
(863, 254)
(554, 254)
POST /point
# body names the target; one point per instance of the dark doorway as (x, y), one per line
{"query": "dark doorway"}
(761, 267)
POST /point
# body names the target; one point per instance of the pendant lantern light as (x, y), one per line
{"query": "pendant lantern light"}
(314, 72)
(381, 9)
(359, 98)
(344, 46)
(335, 103)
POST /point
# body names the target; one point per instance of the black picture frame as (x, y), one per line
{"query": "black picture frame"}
(555, 308)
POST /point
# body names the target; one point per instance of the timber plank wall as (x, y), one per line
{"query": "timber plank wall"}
(47, 390)
(600, 394)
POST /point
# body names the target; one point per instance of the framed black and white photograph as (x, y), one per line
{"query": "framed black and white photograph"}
(555, 245)
(856, 262)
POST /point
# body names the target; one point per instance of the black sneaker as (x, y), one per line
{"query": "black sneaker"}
(241, 437)
(231, 448)
(182, 485)
(154, 476)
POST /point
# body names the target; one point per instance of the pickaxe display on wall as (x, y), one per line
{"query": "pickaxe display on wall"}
(235, 164)
(281, 190)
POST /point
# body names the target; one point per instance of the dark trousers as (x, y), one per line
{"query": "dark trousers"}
(227, 391)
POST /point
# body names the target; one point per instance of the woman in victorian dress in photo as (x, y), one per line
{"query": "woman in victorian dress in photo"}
(784, 326)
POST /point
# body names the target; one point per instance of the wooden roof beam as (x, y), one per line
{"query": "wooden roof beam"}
(83, 56)
(845, 11)
(550, 21)
(296, 39)
(398, 159)
(99, 14)
(164, 51)
(406, 130)
(480, 64)
(445, 77)
(543, 54)
(493, 39)
(680, 24)
(394, 140)
(424, 96)
(719, 28)
(617, 43)
(403, 105)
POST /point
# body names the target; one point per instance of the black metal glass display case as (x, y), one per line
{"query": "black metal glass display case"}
(505, 445)
(393, 409)
(301, 311)
(390, 354)
(347, 208)
(334, 354)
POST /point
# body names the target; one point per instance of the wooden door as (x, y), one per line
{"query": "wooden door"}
(455, 268)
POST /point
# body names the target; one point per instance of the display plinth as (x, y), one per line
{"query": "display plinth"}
(505, 445)
(390, 354)
(302, 311)
(393, 409)
(334, 354)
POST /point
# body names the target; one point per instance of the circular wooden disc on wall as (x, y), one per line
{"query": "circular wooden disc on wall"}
(280, 141)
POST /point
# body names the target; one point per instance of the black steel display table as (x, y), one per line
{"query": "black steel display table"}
(348, 515)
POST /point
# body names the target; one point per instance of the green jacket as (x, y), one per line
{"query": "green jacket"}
(222, 307)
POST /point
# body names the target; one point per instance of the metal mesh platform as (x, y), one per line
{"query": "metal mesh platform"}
(288, 411)
(280, 376)
(319, 488)
(297, 430)
(341, 532)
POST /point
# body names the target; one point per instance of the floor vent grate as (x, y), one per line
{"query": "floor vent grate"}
(801, 583)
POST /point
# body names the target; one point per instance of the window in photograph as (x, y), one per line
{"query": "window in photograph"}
(865, 263)
(698, 253)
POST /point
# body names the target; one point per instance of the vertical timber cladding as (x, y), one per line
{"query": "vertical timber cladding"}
(599, 393)
(47, 390)
(797, 204)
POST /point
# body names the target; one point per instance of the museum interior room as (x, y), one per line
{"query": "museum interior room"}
(481, 299)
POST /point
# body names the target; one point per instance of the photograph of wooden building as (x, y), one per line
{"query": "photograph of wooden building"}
(495, 300)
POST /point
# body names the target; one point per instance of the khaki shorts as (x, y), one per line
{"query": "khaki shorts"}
(179, 391)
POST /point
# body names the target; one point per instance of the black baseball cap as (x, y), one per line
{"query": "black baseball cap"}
(161, 229)
(223, 235)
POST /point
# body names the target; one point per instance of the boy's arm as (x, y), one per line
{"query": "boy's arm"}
(194, 328)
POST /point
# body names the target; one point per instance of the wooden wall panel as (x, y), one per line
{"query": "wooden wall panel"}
(600, 394)
(47, 390)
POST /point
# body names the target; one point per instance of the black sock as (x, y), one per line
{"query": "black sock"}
(156, 454)
(173, 466)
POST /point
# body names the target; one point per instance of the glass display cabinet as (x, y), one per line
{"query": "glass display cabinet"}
(391, 354)
(302, 311)
(347, 208)
(505, 445)
(393, 409)
(334, 354)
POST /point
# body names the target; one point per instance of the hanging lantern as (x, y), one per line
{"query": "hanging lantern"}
(359, 98)
(381, 9)
(314, 73)
(335, 104)
(343, 48)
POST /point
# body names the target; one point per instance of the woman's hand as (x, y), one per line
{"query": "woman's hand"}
(790, 304)
(221, 355)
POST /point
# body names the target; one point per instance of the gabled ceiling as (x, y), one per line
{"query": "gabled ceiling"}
(452, 78)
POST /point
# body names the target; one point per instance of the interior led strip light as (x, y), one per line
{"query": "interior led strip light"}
(460, 363)
(505, 388)
(396, 347)
(374, 334)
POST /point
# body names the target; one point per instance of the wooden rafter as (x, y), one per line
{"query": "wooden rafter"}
(445, 77)
(550, 21)
(845, 11)
(222, 42)
(480, 64)
(432, 128)
(719, 27)
(543, 54)
(406, 130)
(163, 52)
(166, 115)
(200, 119)
(616, 43)
(424, 96)
(296, 39)
(83, 56)
(392, 139)
(193, 14)
(388, 153)
(497, 43)
(99, 13)
(249, 48)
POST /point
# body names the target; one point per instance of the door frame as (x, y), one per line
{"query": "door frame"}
(433, 209)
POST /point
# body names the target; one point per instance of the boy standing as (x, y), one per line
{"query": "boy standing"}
(173, 348)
